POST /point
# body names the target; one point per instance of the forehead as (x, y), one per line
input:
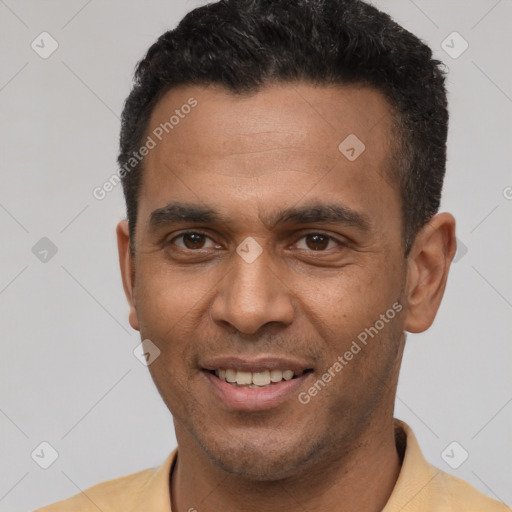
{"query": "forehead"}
(212, 145)
(314, 117)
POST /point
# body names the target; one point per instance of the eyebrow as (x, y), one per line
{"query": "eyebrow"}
(321, 213)
(177, 212)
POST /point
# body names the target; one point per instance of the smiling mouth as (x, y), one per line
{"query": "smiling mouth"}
(256, 380)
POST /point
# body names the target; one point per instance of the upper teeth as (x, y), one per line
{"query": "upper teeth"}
(263, 378)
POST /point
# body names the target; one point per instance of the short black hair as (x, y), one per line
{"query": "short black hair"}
(243, 45)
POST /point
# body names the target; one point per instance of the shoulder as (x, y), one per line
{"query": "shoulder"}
(423, 487)
(463, 496)
(106, 496)
(135, 492)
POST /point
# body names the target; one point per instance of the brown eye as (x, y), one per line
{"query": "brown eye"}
(192, 241)
(316, 242)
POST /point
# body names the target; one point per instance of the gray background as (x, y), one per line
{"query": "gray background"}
(68, 374)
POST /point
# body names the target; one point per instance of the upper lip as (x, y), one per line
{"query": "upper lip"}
(253, 365)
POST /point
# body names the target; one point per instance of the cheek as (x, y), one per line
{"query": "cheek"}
(347, 305)
(166, 297)
(353, 292)
(172, 309)
(165, 305)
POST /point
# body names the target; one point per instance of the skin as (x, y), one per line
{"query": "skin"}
(249, 157)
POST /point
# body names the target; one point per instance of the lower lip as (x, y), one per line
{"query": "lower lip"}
(244, 399)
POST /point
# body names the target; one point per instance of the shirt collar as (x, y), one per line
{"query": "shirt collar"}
(417, 478)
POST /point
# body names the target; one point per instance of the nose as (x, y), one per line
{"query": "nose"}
(251, 296)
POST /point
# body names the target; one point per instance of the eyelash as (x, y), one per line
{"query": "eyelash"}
(329, 237)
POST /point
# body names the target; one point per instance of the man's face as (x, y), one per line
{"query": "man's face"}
(323, 262)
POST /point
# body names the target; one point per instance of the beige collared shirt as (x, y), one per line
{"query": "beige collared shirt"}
(420, 487)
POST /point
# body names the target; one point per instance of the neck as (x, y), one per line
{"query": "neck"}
(355, 479)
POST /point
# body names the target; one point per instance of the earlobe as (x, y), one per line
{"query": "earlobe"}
(428, 265)
(127, 270)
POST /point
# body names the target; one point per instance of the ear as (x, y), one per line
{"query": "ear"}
(428, 265)
(127, 270)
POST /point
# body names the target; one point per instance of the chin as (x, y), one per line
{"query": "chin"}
(260, 460)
